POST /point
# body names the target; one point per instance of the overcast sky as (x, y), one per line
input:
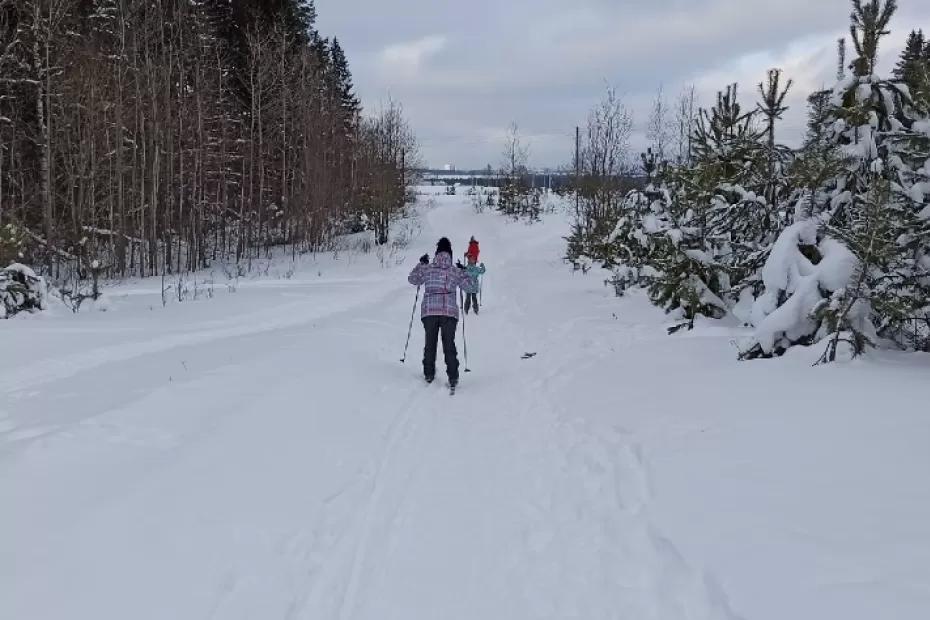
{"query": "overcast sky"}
(464, 70)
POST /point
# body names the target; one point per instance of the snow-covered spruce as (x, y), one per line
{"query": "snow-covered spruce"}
(859, 269)
(21, 290)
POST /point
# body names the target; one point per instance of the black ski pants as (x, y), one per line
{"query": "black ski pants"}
(471, 301)
(436, 327)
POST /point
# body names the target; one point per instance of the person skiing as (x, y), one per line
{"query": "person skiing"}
(474, 270)
(473, 249)
(439, 311)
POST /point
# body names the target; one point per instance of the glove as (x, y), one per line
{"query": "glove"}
(482, 265)
(459, 264)
(424, 260)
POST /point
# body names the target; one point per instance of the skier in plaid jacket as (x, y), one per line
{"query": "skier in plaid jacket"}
(441, 281)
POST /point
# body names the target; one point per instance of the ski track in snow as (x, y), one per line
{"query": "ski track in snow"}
(398, 439)
(280, 463)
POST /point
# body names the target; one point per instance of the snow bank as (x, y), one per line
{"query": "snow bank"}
(786, 264)
(795, 286)
(837, 266)
(923, 126)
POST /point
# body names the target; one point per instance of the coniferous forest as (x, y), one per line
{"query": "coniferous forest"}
(145, 137)
(826, 242)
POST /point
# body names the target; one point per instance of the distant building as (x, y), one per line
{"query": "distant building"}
(487, 177)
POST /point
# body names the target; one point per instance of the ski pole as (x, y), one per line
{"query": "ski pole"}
(464, 339)
(410, 328)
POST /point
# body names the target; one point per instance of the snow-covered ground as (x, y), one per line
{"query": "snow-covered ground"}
(264, 455)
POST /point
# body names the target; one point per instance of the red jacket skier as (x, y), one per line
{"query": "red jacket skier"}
(472, 253)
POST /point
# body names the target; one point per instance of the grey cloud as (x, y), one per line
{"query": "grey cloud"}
(464, 70)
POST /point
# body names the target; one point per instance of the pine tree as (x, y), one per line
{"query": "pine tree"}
(304, 12)
(818, 161)
(913, 69)
(869, 236)
(687, 274)
(699, 232)
(342, 87)
(709, 236)
(818, 106)
(772, 108)
(734, 165)
(868, 25)
(911, 57)
(869, 210)
(514, 198)
(629, 248)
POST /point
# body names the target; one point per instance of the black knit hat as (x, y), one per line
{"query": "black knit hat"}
(444, 245)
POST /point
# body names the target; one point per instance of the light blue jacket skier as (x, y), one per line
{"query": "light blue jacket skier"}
(474, 270)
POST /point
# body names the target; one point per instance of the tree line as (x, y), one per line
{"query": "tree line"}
(829, 242)
(144, 137)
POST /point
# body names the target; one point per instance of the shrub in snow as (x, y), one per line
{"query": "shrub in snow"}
(21, 290)
(519, 201)
(583, 263)
(12, 244)
(630, 244)
(687, 275)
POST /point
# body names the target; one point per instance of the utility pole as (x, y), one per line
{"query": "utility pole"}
(577, 165)
(841, 58)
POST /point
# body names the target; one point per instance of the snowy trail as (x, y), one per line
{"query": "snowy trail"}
(562, 530)
(279, 462)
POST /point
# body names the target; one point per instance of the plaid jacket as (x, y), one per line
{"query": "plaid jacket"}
(441, 279)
